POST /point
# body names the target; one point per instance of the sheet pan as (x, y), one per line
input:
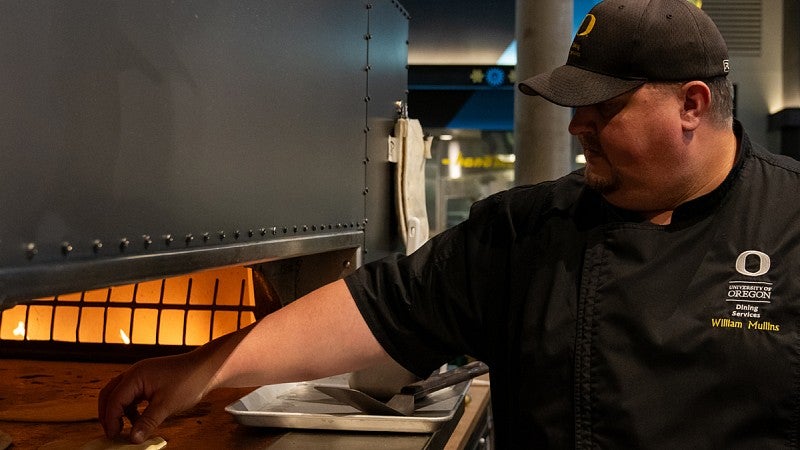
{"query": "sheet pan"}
(299, 405)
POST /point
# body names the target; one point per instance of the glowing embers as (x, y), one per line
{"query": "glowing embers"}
(185, 310)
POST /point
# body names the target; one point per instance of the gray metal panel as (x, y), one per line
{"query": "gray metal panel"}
(388, 81)
(174, 120)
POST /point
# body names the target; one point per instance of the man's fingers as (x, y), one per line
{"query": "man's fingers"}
(109, 419)
(119, 399)
(132, 412)
(150, 381)
(146, 423)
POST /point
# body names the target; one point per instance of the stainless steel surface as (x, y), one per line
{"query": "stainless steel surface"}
(399, 405)
(403, 403)
(25, 282)
(151, 129)
(300, 405)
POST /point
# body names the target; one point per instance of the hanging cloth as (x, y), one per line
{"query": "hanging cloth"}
(409, 148)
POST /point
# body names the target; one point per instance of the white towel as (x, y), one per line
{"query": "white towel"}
(409, 148)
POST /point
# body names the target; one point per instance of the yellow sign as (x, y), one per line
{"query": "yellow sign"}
(481, 162)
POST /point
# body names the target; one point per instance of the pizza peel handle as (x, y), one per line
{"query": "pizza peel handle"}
(402, 404)
(441, 380)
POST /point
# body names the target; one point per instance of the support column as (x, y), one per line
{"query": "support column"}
(542, 142)
(791, 54)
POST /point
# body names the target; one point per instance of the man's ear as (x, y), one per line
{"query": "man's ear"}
(696, 103)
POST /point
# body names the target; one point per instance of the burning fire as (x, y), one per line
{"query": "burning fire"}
(185, 310)
(20, 330)
(125, 338)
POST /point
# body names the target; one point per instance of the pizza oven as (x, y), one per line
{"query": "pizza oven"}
(172, 171)
(148, 318)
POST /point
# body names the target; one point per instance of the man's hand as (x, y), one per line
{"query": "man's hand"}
(319, 335)
(169, 385)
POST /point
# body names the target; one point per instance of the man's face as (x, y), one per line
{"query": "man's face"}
(633, 148)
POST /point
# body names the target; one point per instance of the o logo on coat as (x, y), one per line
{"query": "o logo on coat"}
(763, 263)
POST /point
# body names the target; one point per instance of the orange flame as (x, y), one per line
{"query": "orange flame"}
(20, 330)
(124, 337)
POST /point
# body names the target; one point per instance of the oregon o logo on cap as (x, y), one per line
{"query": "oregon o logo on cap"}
(587, 25)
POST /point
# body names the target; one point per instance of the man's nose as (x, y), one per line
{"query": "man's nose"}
(581, 121)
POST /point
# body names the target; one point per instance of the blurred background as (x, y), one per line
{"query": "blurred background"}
(462, 70)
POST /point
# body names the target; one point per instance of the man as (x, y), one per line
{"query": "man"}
(650, 300)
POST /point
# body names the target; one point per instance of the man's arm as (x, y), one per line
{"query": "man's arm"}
(318, 335)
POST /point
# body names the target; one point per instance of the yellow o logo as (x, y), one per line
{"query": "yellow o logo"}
(588, 26)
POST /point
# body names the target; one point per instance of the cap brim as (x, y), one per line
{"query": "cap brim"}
(572, 86)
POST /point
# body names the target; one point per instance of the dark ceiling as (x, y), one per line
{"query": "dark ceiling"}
(459, 31)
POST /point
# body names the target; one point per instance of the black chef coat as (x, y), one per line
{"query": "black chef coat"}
(604, 330)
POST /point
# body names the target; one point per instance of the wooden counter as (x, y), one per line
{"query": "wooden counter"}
(206, 425)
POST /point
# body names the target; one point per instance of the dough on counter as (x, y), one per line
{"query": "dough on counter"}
(104, 443)
(73, 410)
(5, 440)
(154, 443)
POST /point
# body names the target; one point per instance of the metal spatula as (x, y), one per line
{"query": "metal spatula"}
(402, 404)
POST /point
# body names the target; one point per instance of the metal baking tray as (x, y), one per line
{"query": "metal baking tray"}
(299, 405)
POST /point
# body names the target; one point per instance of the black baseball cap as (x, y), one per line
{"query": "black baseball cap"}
(622, 44)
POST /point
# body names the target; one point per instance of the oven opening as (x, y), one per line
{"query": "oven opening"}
(133, 320)
(125, 323)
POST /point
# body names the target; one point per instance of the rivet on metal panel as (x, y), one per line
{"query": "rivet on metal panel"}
(286, 230)
(367, 36)
(236, 234)
(366, 191)
(369, 5)
(263, 231)
(167, 238)
(206, 237)
(124, 243)
(367, 68)
(275, 230)
(147, 240)
(221, 234)
(250, 233)
(346, 264)
(97, 245)
(188, 238)
(367, 98)
(313, 228)
(66, 248)
(30, 250)
(295, 228)
(305, 227)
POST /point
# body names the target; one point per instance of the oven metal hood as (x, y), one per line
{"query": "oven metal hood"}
(142, 139)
